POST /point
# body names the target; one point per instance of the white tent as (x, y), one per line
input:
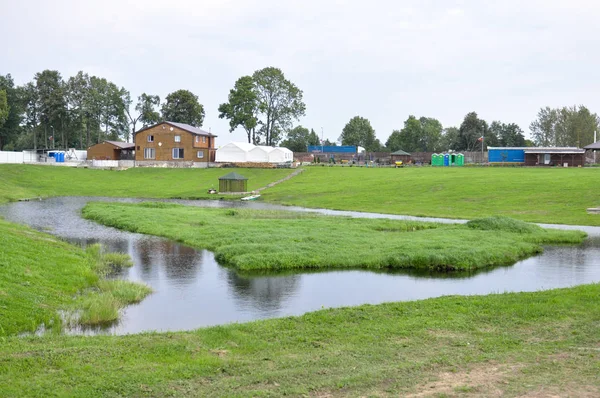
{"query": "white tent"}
(281, 155)
(234, 152)
(259, 154)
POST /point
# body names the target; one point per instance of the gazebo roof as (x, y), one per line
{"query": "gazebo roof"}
(594, 146)
(400, 152)
(233, 176)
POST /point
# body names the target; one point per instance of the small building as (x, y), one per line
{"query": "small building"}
(400, 156)
(111, 150)
(538, 156)
(233, 182)
(170, 141)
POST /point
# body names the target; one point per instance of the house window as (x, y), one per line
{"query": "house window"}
(203, 139)
(200, 154)
(177, 153)
(150, 138)
(177, 138)
(197, 138)
(149, 153)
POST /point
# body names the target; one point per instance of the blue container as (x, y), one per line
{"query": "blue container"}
(446, 159)
(332, 149)
(506, 155)
(60, 157)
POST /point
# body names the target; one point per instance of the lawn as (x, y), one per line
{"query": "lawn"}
(279, 240)
(540, 344)
(27, 181)
(547, 195)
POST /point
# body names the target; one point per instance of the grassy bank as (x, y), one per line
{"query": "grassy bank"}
(253, 239)
(540, 344)
(40, 275)
(555, 195)
(27, 181)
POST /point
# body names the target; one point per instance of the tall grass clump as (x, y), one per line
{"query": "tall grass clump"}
(506, 224)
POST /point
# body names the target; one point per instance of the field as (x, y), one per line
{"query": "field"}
(556, 195)
(277, 240)
(539, 344)
(27, 181)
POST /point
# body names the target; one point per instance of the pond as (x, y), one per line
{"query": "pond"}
(192, 290)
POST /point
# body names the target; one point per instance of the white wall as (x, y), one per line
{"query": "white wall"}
(11, 157)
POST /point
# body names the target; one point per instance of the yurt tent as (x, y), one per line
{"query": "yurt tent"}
(234, 152)
(259, 154)
(281, 155)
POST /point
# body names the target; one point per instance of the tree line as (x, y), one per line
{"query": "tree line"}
(51, 112)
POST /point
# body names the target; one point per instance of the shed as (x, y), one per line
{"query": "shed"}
(400, 156)
(234, 152)
(259, 154)
(555, 156)
(233, 182)
(112, 150)
(281, 155)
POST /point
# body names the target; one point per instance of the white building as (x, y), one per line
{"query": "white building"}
(242, 152)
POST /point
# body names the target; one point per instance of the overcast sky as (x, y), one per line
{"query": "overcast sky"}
(382, 60)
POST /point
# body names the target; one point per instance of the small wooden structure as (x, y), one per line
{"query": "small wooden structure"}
(400, 156)
(111, 150)
(233, 182)
(567, 157)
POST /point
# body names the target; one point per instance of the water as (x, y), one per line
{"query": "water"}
(192, 290)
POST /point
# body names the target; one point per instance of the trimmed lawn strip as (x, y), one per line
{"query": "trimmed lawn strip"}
(513, 343)
(29, 181)
(277, 240)
(545, 195)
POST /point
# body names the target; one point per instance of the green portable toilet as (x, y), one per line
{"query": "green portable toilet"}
(437, 159)
(460, 159)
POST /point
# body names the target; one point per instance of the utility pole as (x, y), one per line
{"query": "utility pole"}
(321, 139)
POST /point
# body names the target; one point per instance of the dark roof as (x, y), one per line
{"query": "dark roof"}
(183, 126)
(560, 150)
(400, 152)
(233, 176)
(595, 145)
(122, 145)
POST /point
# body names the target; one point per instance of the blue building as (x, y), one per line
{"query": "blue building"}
(332, 149)
(506, 155)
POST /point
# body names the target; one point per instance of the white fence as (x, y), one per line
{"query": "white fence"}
(32, 157)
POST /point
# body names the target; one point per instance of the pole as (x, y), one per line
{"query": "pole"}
(321, 139)
(595, 151)
(482, 139)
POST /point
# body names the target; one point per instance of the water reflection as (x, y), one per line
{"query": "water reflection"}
(191, 290)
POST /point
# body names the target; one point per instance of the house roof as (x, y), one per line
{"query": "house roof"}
(565, 150)
(233, 176)
(122, 145)
(400, 152)
(183, 126)
(595, 145)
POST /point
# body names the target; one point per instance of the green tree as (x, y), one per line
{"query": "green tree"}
(146, 111)
(543, 128)
(299, 138)
(359, 132)
(279, 103)
(450, 139)
(418, 135)
(567, 126)
(52, 103)
(471, 130)
(80, 114)
(509, 135)
(182, 106)
(242, 107)
(4, 108)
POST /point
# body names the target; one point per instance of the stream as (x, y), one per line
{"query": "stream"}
(192, 290)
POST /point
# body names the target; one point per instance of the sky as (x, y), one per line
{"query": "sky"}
(382, 60)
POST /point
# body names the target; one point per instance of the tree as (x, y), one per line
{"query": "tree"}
(509, 135)
(471, 130)
(52, 103)
(450, 139)
(299, 138)
(242, 107)
(279, 103)
(145, 108)
(11, 127)
(418, 135)
(182, 106)
(358, 132)
(4, 108)
(567, 126)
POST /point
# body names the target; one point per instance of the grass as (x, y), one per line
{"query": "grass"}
(535, 344)
(547, 195)
(41, 275)
(28, 181)
(276, 240)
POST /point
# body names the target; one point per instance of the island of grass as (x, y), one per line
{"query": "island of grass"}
(278, 240)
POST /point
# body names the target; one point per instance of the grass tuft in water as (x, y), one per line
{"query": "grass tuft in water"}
(507, 224)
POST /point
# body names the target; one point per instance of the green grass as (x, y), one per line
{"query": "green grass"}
(548, 195)
(27, 181)
(276, 240)
(40, 275)
(543, 343)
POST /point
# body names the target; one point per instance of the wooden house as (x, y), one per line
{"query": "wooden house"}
(111, 150)
(170, 141)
